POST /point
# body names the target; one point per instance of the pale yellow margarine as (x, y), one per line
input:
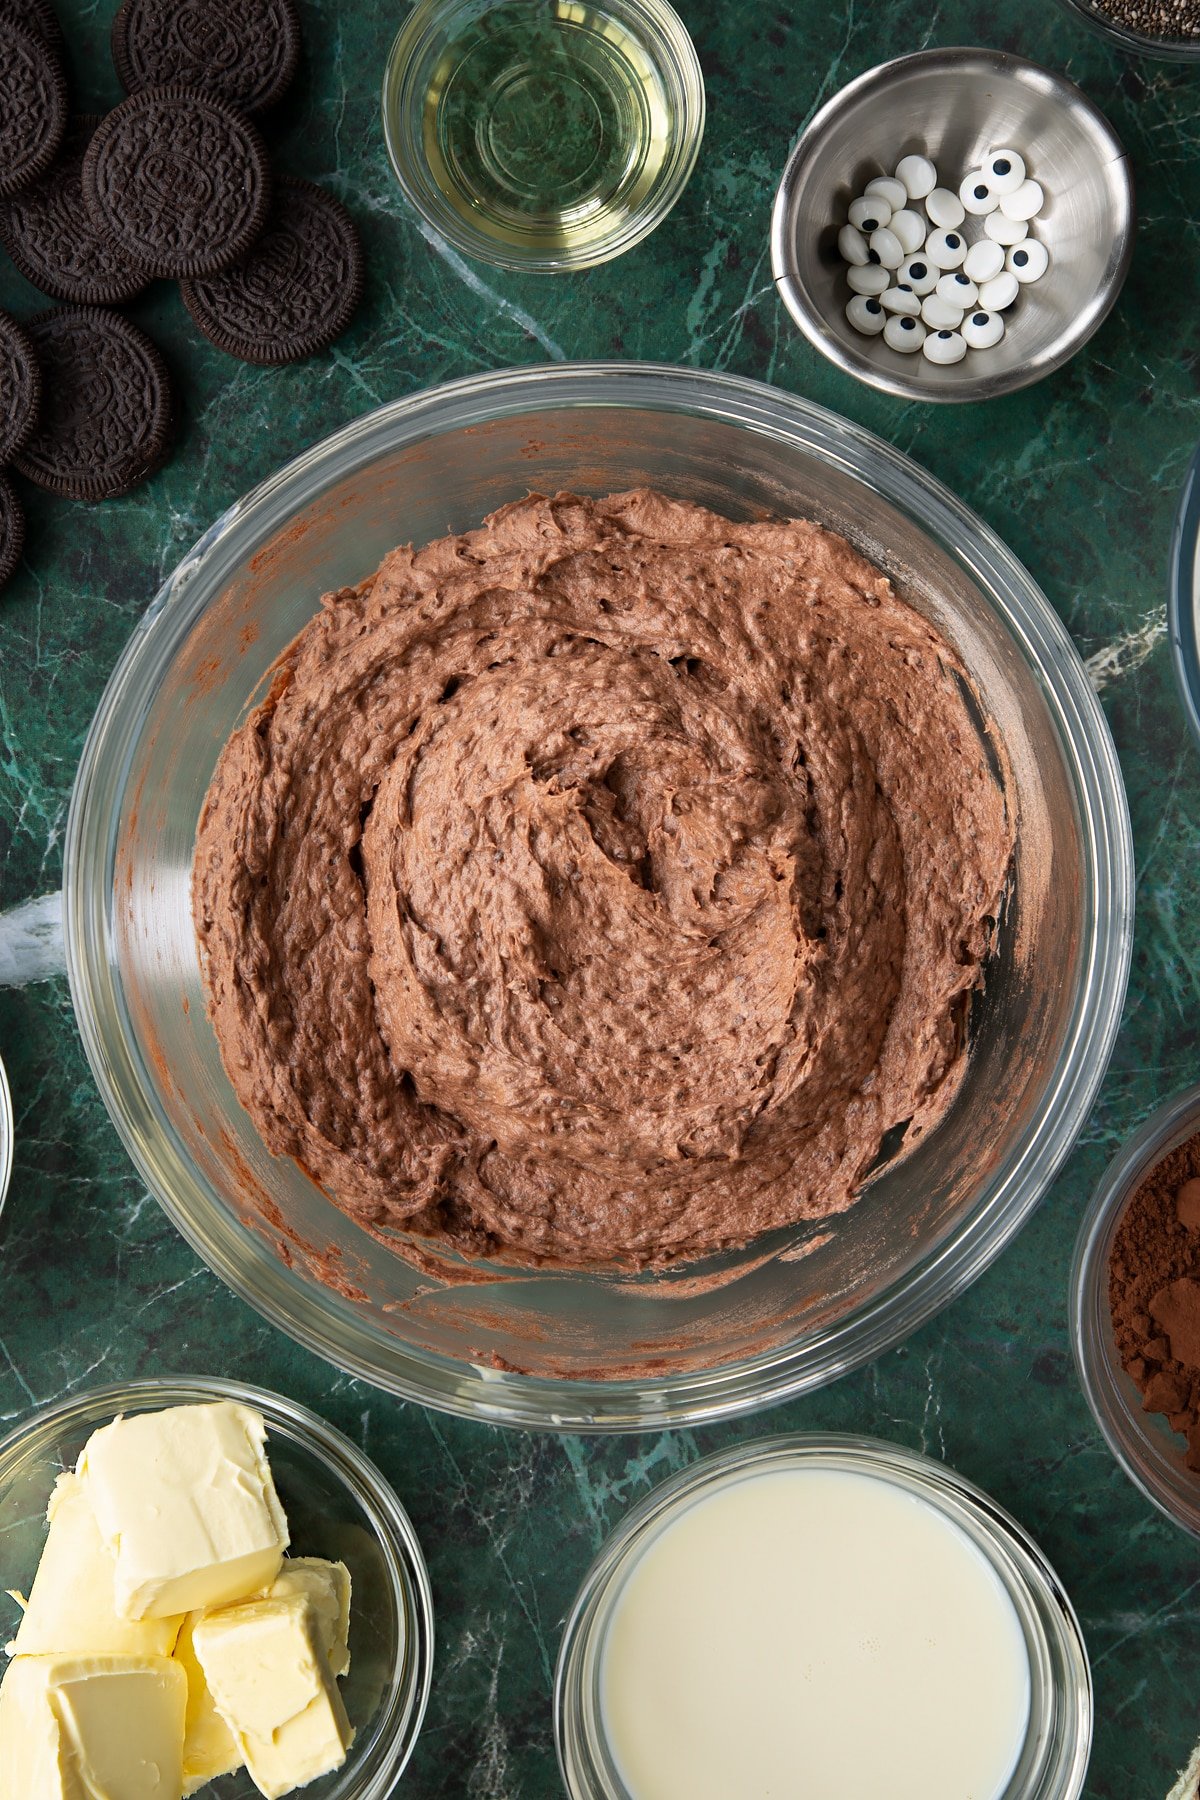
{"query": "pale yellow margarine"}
(268, 1672)
(72, 1605)
(209, 1746)
(186, 1503)
(92, 1728)
(326, 1586)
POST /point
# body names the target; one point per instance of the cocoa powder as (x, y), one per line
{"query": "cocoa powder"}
(1154, 1291)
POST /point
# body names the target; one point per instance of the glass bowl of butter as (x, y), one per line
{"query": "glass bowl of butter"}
(209, 1590)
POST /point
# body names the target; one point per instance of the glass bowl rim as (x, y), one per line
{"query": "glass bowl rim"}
(1183, 596)
(1147, 1463)
(672, 46)
(1134, 43)
(340, 1458)
(7, 1136)
(908, 1469)
(1089, 755)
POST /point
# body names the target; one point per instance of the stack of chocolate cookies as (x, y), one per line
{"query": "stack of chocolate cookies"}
(175, 183)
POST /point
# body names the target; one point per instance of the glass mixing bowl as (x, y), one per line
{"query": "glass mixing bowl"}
(600, 1351)
(338, 1506)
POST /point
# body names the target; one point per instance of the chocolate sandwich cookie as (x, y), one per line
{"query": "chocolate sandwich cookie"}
(33, 104)
(297, 289)
(48, 232)
(243, 51)
(38, 17)
(20, 388)
(178, 183)
(106, 412)
(12, 530)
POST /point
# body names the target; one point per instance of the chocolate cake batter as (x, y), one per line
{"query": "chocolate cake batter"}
(604, 885)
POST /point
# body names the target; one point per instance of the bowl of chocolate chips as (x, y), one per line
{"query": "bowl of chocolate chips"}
(1135, 1308)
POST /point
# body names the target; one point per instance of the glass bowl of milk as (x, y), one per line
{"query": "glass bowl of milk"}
(819, 1618)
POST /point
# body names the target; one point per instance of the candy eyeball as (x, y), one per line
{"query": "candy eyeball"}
(984, 259)
(1025, 202)
(982, 330)
(999, 292)
(976, 196)
(918, 176)
(901, 300)
(853, 246)
(869, 214)
(894, 192)
(904, 334)
(909, 227)
(1028, 261)
(944, 208)
(866, 315)
(886, 247)
(1003, 230)
(948, 249)
(872, 279)
(919, 273)
(957, 290)
(944, 347)
(939, 314)
(1004, 171)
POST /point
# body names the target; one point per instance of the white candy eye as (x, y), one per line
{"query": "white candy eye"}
(984, 260)
(982, 330)
(901, 300)
(940, 315)
(1028, 261)
(999, 292)
(1003, 230)
(944, 208)
(909, 227)
(894, 192)
(919, 273)
(853, 246)
(1004, 171)
(957, 290)
(903, 333)
(870, 280)
(866, 315)
(944, 347)
(1025, 202)
(918, 175)
(869, 214)
(948, 249)
(976, 196)
(886, 246)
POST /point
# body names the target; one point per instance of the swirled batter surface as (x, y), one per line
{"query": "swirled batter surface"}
(603, 885)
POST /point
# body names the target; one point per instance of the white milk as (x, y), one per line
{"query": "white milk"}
(813, 1635)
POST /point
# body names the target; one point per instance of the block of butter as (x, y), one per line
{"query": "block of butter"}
(268, 1673)
(326, 1587)
(186, 1502)
(72, 1606)
(209, 1747)
(92, 1728)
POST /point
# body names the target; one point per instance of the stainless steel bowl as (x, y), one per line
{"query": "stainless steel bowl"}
(338, 1506)
(954, 106)
(595, 1351)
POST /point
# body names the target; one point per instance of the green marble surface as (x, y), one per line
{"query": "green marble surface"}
(1080, 475)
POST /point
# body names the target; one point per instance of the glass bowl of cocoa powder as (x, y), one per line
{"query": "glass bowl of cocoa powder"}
(1135, 1308)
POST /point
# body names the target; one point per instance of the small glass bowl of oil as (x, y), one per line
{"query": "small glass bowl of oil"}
(543, 134)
